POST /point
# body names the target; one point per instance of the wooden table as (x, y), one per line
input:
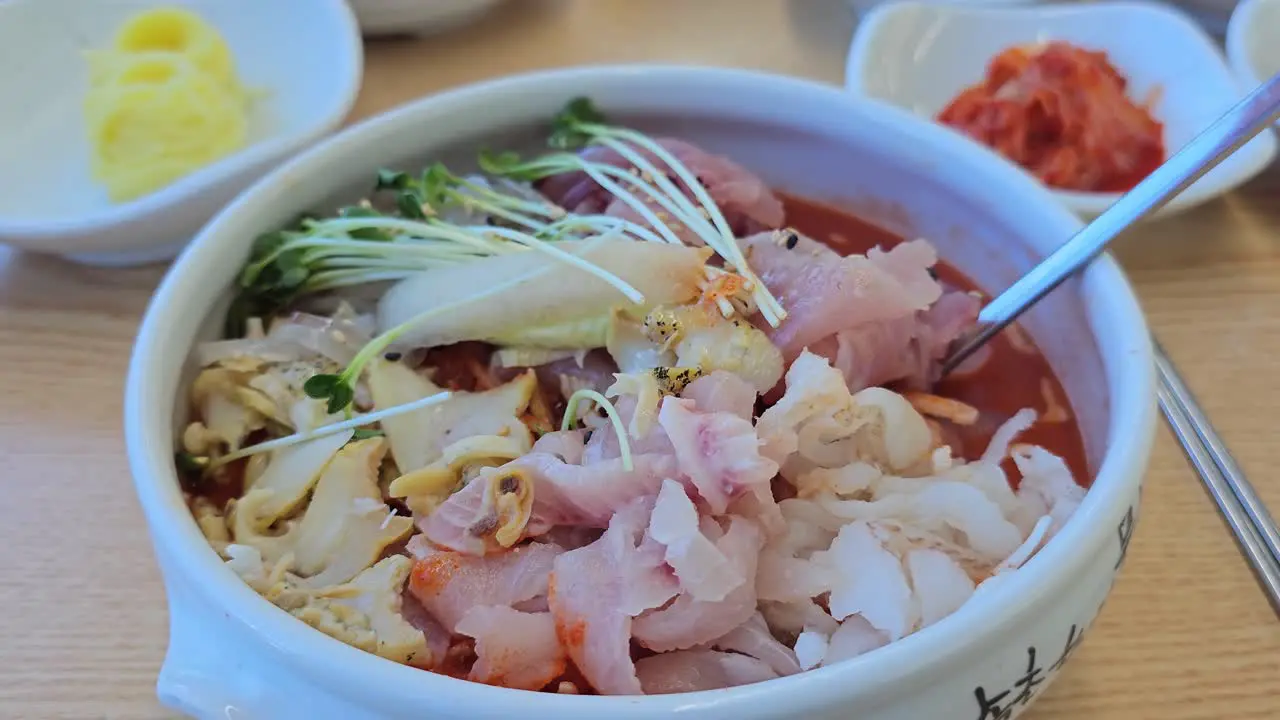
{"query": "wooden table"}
(1186, 634)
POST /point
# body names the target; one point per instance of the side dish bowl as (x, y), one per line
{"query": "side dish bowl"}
(920, 55)
(305, 56)
(232, 651)
(399, 17)
(1253, 40)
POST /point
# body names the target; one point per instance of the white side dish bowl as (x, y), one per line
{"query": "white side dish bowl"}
(395, 17)
(864, 6)
(232, 653)
(305, 55)
(921, 55)
(1253, 41)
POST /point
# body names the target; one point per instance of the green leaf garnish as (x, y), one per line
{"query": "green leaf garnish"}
(410, 203)
(509, 165)
(368, 233)
(436, 184)
(392, 180)
(366, 433)
(320, 386)
(268, 243)
(340, 397)
(566, 127)
(336, 389)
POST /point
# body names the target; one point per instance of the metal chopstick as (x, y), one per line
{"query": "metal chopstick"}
(1240, 506)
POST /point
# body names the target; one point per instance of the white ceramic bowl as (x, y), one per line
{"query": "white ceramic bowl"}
(864, 6)
(1253, 40)
(921, 55)
(306, 54)
(231, 652)
(418, 17)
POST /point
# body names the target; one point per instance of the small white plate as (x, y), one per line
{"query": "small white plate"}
(920, 55)
(1253, 40)
(305, 54)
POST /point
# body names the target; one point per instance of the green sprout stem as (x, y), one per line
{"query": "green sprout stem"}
(571, 416)
(603, 175)
(513, 209)
(333, 279)
(350, 423)
(728, 246)
(666, 195)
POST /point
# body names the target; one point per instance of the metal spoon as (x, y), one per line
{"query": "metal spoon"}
(1254, 528)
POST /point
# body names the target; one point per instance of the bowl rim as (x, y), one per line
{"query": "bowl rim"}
(50, 235)
(1258, 157)
(382, 683)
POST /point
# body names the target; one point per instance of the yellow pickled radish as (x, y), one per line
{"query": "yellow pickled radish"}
(180, 31)
(164, 100)
(162, 119)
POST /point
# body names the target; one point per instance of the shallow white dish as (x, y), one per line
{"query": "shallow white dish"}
(306, 54)
(1253, 41)
(987, 218)
(920, 55)
(419, 17)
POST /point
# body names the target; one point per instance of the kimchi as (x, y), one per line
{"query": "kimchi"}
(1063, 114)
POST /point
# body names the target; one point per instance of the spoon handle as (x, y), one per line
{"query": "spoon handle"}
(1239, 125)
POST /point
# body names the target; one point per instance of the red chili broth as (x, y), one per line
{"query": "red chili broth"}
(1008, 381)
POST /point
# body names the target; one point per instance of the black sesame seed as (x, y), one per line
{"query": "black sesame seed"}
(792, 239)
(392, 356)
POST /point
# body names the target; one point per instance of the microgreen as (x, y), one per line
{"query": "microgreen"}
(336, 389)
(363, 245)
(567, 132)
(580, 124)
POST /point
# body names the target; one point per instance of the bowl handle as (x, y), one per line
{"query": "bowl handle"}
(216, 668)
(209, 671)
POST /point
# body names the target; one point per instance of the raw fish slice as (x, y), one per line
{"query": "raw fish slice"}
(825, 293)
(449, 584)
(514, 649)
(722, 391)
(593, 591)
(702, 569)
(694, 670)
(718, 452)
(754, 639)
(687, 622)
